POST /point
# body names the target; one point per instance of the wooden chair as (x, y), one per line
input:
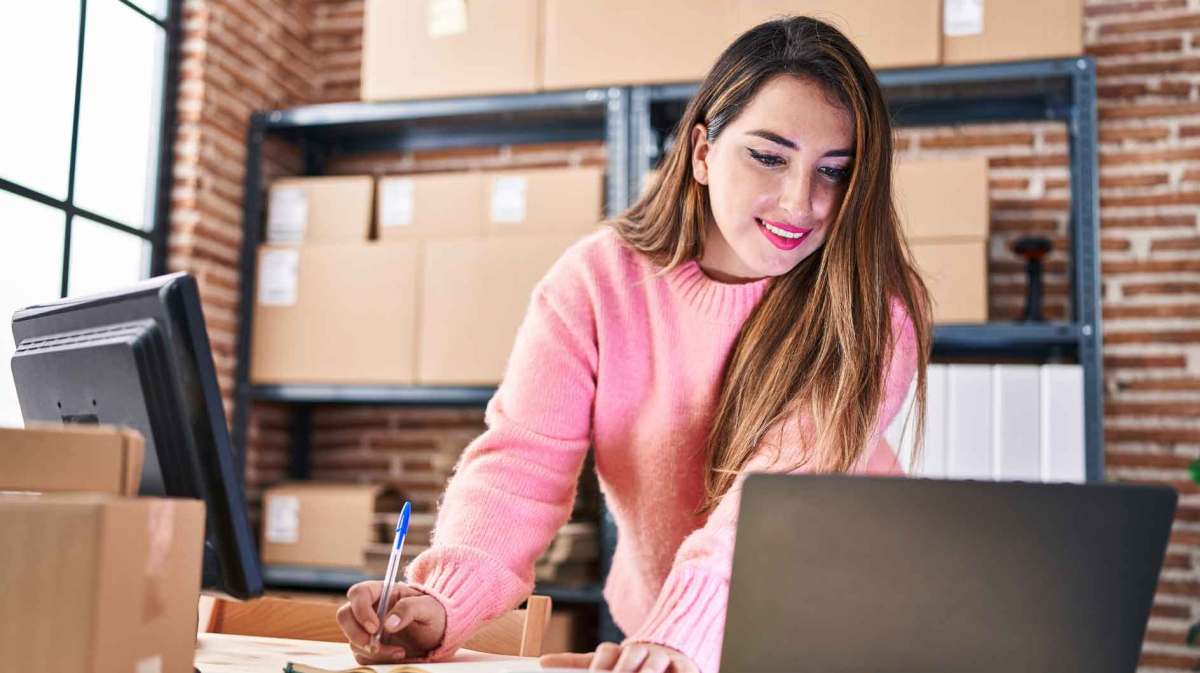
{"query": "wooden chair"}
(518, 633)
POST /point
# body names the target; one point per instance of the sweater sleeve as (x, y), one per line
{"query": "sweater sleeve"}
(515, 484)
(689, 614)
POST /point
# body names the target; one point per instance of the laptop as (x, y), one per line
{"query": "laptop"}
(837, 574)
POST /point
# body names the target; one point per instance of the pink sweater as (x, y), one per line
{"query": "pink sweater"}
(611, 356)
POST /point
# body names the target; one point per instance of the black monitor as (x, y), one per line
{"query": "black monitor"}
(140, 357)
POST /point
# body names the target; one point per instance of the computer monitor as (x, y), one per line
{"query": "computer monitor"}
(140, 357)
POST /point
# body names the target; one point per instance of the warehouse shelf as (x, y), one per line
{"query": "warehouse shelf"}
(325, 132)
(634, 122)
(391, 395)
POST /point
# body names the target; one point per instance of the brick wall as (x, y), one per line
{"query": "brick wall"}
(1149, 67)
(237, 56)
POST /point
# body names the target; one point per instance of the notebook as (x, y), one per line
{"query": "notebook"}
(465, 661)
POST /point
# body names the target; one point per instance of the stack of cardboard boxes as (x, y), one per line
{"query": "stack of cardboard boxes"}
(434, 297)
(94, 578)
(430, 48)
(943, 207)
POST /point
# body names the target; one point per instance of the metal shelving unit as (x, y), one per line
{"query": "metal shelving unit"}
(1057, 90)
(324, 132)
(634, 122)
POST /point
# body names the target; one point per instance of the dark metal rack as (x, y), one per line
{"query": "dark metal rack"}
(323, 132)
(634, 122)
(1055, 89)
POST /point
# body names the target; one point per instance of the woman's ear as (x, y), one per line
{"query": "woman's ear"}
(700, 149)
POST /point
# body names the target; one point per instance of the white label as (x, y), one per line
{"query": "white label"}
(152, 664)
(278, 276)
(287, 215)
(962, 17)
(446, 17)
(283, 519)
(396, 202)
(508, 199)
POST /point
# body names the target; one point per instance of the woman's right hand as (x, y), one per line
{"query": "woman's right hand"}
(414, 625)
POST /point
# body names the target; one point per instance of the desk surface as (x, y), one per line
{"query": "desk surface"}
(223, 653)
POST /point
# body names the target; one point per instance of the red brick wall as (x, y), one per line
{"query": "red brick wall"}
(1150, 238)
(238, 56)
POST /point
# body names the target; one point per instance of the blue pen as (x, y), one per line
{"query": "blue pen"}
(393, 565)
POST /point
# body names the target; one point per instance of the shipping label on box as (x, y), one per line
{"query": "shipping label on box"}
(446, 17)
(963, 17)
(287, 215)
(509, 198)
(278, 277)
(396, 202)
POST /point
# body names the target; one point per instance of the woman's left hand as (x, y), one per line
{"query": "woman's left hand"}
(632, 658)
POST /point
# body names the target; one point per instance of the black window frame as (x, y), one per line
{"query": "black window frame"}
(157, 234)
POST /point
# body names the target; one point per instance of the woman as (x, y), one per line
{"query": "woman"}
(757, 309)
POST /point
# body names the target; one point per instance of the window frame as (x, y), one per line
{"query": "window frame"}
(157, 234)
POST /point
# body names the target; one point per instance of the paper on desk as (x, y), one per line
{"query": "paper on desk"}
(465, 661)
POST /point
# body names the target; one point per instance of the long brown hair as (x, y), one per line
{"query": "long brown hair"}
(821, 338)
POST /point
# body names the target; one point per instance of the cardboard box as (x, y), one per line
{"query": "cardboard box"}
(473, 297)
(431, 48)
(609, 42)
(335, 209)
(979, 31)
(956, 274)
(431, 204)
(99, 584)
(95, 458)
(890, 34)
(335, 314)
(943, 199)
(318, 524)
(439, 205)
(550, 200)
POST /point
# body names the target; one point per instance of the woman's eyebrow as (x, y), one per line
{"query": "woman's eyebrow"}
(780, 140)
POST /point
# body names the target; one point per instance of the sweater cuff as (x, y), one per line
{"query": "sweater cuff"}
(689, 616)
(473, 588)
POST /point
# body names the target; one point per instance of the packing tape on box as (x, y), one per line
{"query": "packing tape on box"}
(161, 529)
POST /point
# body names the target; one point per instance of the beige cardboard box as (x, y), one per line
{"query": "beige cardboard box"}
(99, 584)
(430, 48)
(609, 42)
(95, 458)
(431, 204)
(318, 524)
(335, 314)
(943, 199)
(890, 34)
(333, 209)
(1011, 30)
(956, 274)
(473, 297)
(439, 205)
(549, 200)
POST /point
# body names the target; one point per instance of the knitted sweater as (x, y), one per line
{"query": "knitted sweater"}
(613, 357)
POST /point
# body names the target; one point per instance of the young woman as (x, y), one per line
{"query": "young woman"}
(756, 310)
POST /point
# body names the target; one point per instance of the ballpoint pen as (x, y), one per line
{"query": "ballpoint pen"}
(393, 565)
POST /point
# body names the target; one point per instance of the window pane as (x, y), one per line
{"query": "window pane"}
(38, 49)
(31, 245)
(118, 118)
(156, 8)
(103, 258)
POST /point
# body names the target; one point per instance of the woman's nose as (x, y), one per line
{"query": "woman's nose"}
(796, 197)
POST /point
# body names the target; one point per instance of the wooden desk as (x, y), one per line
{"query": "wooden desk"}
(226, 653)
(223, 653)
